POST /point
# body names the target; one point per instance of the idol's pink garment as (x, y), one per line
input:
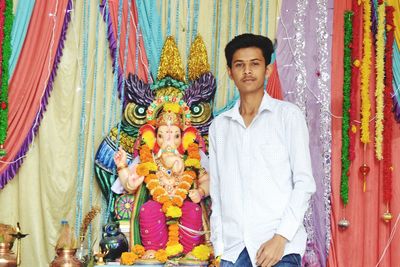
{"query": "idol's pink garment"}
(154, 230)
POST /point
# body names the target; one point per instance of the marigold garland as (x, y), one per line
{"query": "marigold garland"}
(380, 83)
(348, 33)
(365, 74)
(388, 120)
(6, 15)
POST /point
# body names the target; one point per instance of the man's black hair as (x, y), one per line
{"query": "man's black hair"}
(249, 40)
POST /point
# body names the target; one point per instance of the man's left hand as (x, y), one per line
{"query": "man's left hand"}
(271, 251)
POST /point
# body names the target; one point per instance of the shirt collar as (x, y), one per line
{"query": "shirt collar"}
(267, 103)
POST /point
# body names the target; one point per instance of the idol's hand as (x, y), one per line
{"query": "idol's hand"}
(120, 157)
(195, 195)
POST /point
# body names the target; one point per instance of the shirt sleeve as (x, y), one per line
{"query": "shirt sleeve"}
(215, 219)
(303, 181)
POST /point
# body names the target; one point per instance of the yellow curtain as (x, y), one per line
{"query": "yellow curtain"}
(396, 19)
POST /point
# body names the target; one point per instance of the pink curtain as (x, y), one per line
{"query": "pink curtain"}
(31, 83)
(363, 243)
(132, 42)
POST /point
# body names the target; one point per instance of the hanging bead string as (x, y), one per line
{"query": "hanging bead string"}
(187, 33)
(104, 206)
(81, 142)
(252, 16)
(169, 18)
(103, 126)
(94, 105)
(213, 48)
(266, 17)
(196, 18)
(260, 17)
(229, 38)
(177, 30)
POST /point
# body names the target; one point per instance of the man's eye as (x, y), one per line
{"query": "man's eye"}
(239, 65)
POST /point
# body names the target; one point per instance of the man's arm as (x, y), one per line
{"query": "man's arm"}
(303, 180)
(297, 136)
(215, 219)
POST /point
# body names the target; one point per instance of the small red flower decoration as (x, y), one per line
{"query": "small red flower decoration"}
(3, 105)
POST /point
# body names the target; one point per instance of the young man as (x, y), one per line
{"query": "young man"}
(260, 167)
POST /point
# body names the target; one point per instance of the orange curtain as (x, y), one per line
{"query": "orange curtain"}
(274, 85)
(29, 86)
(363, 243)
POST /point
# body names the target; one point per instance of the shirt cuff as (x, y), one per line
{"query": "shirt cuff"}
(287, 229)
(218, 248)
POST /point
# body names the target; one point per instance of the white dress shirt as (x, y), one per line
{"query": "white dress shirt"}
(260, 179)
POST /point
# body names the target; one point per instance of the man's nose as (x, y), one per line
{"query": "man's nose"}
(247, 69)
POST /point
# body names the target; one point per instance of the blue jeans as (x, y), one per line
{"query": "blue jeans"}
(290, 260)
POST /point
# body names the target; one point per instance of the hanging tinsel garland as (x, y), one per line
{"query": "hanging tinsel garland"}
(356, 53)
(6, 21)
(380, 83)
(348, 35)
(388, 122)
(365, 74)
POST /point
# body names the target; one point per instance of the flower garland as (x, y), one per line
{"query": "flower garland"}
(171, 204)
(365, 74)
(388, 121)
(6, 21)
(348, 34)
(129, 258)
(380, 83)
(356, 54)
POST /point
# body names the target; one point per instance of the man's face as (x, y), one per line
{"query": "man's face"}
(248, 70)
(169, 136)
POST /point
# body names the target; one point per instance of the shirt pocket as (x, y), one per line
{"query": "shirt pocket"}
(275, 163)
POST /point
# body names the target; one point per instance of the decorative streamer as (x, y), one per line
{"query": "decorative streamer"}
(387, 133)
(380, 76)
(356, 54)
(299, 54)
(348, 35)
(365, 74)
(325, 115)
(6, 22)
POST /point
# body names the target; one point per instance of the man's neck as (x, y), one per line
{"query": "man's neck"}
(249, 105)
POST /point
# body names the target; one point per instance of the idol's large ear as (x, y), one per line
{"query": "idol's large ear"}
(188, 137)
(148, 135)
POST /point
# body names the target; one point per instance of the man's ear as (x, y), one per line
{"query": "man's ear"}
(229, 72)
(268, 70)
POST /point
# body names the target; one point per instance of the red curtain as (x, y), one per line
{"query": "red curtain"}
(363, 243)
(31, 83)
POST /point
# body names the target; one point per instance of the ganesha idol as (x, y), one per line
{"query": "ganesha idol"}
(173, 169)
(161, 160)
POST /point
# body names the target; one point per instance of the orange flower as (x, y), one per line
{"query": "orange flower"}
(142, 170)
(163, 199)
(191, 174)
(161, 255)
(194, 156)
(138, 250)
(152, 184)
(128, 258)
(181, 194)
(166, 205)
(184, 185)
(173, 227)
(188, 179)
(177, 200)
(150, 177)
(158, 191)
